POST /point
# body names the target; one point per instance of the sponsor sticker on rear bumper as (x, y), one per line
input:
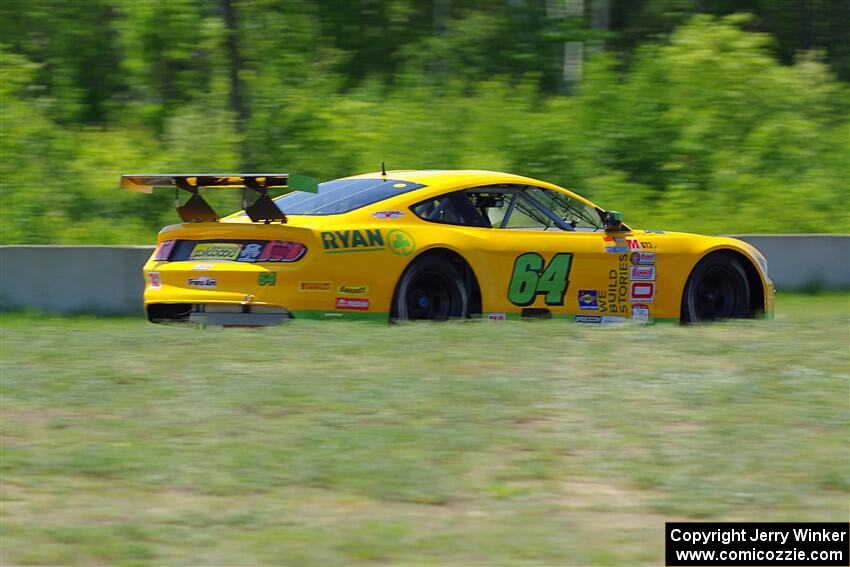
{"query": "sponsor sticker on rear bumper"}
(205, 282)
(357, 304)
(314, 286)
(353, 289)
(215, 251)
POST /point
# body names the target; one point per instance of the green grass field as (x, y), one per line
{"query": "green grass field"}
(486, 443)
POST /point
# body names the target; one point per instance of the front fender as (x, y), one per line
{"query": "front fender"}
(755, 259)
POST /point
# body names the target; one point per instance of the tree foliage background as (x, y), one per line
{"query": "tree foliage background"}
(700, 115)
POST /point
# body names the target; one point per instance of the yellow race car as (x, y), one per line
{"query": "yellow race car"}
(433, 245)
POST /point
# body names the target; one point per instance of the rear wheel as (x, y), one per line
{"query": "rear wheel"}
(431, 288)
(717, 289)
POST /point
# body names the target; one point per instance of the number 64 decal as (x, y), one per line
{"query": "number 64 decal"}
(532, 277)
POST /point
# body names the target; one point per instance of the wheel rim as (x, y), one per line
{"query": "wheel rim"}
(717, 293)
(429, 297)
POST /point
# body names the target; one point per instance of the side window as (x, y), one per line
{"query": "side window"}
(507, 206)
(440, 209)
(492, 205)
(518, 207)
(525, 215)
(452, 208)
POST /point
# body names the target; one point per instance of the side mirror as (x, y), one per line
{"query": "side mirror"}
(613, 221)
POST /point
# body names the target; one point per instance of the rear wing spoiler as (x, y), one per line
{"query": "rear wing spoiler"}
(196, 209)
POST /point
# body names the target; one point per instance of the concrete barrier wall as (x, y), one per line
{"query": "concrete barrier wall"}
(800, 261)
(108, 279)
(70, 279)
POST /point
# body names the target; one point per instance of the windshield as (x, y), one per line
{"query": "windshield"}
(343, 195)
(579, 215)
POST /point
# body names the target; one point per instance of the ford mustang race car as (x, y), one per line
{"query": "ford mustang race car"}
(432, 245)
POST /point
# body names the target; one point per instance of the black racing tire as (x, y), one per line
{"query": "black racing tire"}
(717, 289)
(430, 288)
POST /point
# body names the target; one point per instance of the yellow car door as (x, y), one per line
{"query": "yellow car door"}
(549, 255)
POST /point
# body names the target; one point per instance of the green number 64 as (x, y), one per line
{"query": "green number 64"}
(531, 277)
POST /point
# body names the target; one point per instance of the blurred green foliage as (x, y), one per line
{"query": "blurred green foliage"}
(682, 121)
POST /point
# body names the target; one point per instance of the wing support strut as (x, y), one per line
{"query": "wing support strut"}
(196, 208)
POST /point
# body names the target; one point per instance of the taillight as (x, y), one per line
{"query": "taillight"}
(163, 251)
(282, 251)
(154, 281)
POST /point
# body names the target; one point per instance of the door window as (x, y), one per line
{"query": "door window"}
(518, 207)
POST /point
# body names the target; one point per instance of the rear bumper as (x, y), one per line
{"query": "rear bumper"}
(173, 290)
(304, 290)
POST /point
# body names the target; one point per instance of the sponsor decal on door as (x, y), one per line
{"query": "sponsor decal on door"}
(642, 292)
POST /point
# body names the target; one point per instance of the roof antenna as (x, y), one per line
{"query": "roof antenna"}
(383, 170)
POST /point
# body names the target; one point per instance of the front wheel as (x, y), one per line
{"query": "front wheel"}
(430, 288)
(717, 289)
